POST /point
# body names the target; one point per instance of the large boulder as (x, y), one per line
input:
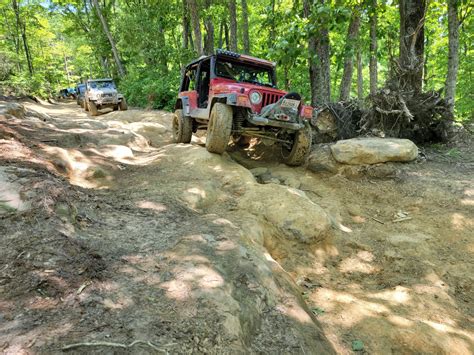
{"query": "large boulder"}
(289, 211)
(359, 151)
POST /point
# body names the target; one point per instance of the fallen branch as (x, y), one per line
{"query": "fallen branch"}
(402, 219)
(115, 345)
(377, 220)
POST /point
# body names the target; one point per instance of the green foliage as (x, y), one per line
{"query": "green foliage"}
(150, 89)
(68, 45)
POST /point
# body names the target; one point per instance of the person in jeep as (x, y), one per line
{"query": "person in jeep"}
(102, 93)
(234, 96)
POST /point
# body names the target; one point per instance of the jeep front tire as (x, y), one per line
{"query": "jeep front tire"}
(93, 108)
(182, 128)
(219, 128)
(123, 105)
(300, 149)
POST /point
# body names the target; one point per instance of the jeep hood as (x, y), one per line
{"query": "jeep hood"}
(103, 91)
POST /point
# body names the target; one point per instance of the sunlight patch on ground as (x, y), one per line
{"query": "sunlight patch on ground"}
(158, 207)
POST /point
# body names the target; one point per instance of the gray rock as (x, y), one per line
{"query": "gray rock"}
(359, 151)
(321, 160)
(258, 171)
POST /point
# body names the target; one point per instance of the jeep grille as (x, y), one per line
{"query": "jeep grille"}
(270, 98)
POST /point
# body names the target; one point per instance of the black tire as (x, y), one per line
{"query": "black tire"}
(219, 128)
(123, 105)
(93, 109)
(116, 107)
(182, 128)
(300, 149)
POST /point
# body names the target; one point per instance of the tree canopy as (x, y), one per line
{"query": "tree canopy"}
(325, 49)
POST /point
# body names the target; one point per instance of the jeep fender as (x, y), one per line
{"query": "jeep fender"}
(183, 103)
(228, 99)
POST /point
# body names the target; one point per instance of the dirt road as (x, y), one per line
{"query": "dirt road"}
(112, 234)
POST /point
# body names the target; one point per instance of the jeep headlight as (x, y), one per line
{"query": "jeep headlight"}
(255, 97)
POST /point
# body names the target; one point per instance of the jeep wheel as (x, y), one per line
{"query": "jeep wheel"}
(182, 128)
(116, 107)
(93, 109)
(300, 149)
(219, 128)
(123, 105)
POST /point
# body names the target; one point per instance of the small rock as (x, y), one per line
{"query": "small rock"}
(271, 181)
(258, 171)
(357, 345)
(292, 182)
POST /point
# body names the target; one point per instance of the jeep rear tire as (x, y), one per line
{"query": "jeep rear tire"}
(300, 149)
(182, 128)
(123, 105)
(93, 109)
(219, 128)
(116, 107)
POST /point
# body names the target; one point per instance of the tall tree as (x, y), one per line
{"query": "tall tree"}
(105, 27)
(373, 48)
(233, 25)
(195, 20)
(412, 39)
(360, 76)
(245, 27)
(453, 54)
(22, 29)
(318, 50)
(185, 20)
(209, 25)
(351, 39)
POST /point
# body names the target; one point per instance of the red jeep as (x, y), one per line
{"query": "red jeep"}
(235, 96)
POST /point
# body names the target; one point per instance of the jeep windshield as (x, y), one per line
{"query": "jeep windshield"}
(243, 72)
(102, 84)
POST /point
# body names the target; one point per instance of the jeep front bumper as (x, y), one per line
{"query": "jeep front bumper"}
(262, 121)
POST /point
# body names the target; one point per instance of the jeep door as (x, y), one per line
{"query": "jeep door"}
(203, 83)
(188, 91)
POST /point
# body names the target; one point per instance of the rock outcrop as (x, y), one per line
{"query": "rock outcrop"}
(359, 151)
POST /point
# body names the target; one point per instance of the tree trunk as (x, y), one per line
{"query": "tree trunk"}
(221, 34)
(245, 27)
(412, 37)
(105, 27)
(373, 48)
(360, 78)
(352, 36)
(272, 25)
(233, 25)
(162, 55)
(22, 28)
(226, 33)
(195, 20)
(209, 40)
(453, 55)
(319, 64)
(185, 20)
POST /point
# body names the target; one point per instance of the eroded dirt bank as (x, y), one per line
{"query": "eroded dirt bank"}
(196, 252)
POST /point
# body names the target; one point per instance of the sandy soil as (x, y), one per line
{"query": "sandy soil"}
(110, 233)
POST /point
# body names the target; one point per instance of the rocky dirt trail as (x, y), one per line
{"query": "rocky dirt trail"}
(112, 234)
